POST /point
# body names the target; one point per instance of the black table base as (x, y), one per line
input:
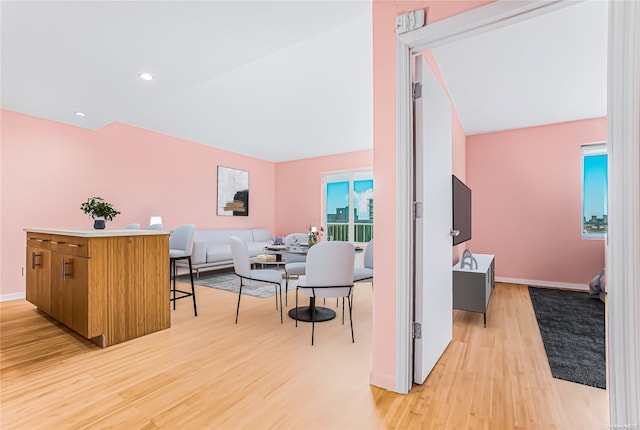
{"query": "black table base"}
(312, 314)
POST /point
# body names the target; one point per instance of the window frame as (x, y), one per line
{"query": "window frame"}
(350, 176)
(586, 150)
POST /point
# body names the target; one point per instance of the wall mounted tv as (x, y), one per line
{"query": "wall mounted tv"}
(461, 210)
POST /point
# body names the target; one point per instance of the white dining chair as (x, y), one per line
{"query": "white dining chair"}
(329, 273)
(296, 262)
(255, 277)
(365, 273)
(297, 268)
(290, 241)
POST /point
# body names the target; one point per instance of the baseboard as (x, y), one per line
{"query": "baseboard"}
(551, 284)
(12, 296)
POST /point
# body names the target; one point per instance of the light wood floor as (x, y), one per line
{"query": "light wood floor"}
(206, 372)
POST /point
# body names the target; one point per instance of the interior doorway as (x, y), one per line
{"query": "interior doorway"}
(624, 187)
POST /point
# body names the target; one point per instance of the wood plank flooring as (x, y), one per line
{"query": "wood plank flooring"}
(206, 372)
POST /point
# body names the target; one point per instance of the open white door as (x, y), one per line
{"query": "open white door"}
(433, 303)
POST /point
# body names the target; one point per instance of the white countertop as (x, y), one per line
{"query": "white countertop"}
(95, 233)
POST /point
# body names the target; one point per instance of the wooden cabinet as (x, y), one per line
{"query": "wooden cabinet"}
(472, 287)
(108, 287)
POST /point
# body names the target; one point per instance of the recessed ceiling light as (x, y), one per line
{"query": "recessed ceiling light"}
(146, 76)
(80, 113)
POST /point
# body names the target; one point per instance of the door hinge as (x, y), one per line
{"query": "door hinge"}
(416, 90)
(418, 210)
(416, 330)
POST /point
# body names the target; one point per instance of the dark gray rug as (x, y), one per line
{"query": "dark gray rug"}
(226, 279)
(572, 327)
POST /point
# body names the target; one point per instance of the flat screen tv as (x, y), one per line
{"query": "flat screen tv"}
(461, 211)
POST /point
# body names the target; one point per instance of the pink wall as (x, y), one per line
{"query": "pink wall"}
(299, 188)
(383, 372)
(49, 168)
(526, 191)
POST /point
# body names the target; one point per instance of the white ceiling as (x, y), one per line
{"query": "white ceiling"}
(275, 80)
(545, 70)
(279, 80)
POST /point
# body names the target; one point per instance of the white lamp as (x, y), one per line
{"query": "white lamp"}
(155, 220)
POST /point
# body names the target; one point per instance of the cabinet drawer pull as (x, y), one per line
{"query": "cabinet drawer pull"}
(57, 243)
(33, 260)
(73, 245)
(64, 269)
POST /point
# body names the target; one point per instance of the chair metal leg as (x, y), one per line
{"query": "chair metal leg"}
(286, 288)
(313, 319)
(239, 295)
(281, 321)
(276, 288)
(351, 318)
(296, 307)
(343, 311)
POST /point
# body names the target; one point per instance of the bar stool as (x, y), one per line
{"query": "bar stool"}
(180, 247)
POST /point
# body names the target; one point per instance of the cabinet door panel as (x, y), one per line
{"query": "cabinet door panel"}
(69, 294)
(77, 281)
(61, 297)
(38, 273)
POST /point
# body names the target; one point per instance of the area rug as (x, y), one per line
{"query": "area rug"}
(226, 279)
(572, 327)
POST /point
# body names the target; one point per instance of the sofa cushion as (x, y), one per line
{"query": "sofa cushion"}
(218, 252)
(256, 248)
(199, 252)
(221, 236)
(261, 235)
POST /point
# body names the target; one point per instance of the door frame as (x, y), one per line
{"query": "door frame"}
(624, 187)
(475, 21)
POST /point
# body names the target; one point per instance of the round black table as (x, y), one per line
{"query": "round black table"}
(312, 313)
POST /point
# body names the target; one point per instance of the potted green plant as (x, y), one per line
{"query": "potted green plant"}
(99, 210)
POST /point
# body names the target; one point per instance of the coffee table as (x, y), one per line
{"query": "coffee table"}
(255, 261)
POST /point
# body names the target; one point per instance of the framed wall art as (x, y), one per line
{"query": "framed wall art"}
(233, 192)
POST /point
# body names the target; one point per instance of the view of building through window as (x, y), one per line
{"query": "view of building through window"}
(594, 191)
(349, 206)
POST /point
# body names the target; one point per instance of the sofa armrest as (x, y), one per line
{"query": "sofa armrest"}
(199, 252)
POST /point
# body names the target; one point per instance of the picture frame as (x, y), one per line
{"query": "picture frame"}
(233, 192)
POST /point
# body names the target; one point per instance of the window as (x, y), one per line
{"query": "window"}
(594, 190)
(349, 206)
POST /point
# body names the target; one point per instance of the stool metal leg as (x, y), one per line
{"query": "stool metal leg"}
(172, 284)
(193, 289)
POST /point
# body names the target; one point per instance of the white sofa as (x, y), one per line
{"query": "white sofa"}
(212, 249)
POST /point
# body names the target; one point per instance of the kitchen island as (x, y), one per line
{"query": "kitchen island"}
(109, 286)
